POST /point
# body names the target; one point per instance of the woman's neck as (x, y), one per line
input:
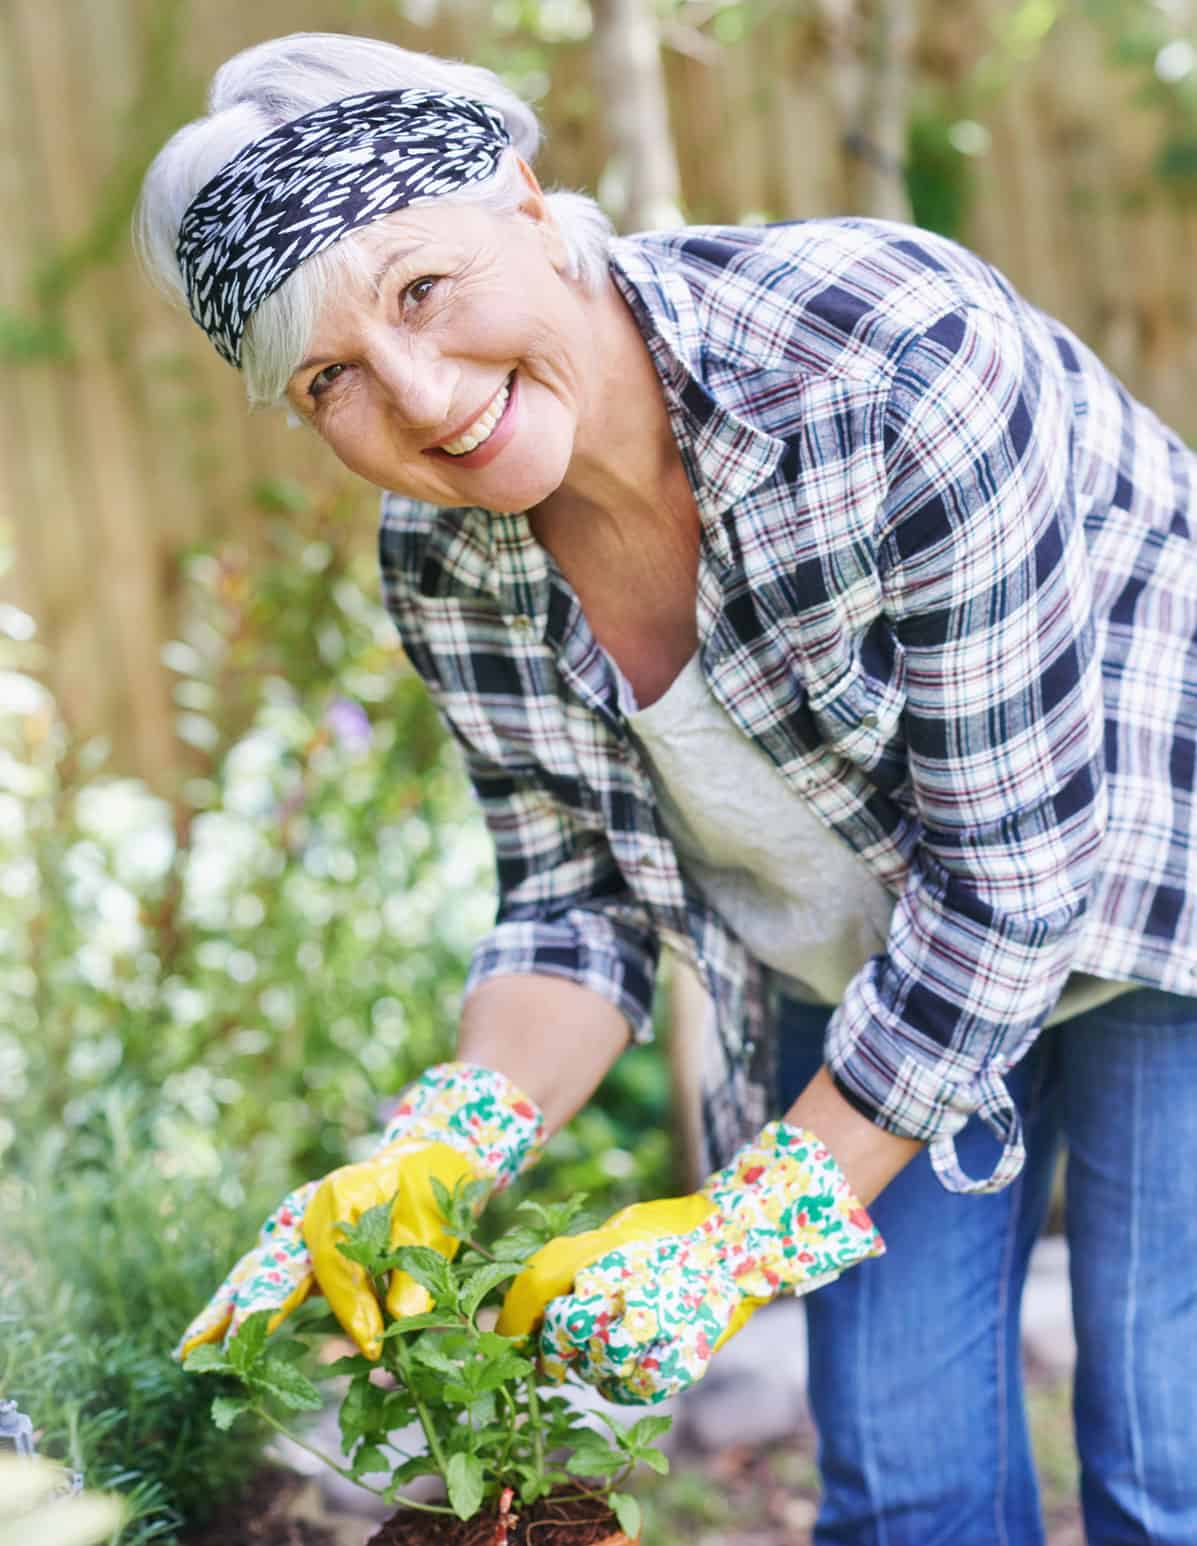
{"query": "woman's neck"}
(626, 468)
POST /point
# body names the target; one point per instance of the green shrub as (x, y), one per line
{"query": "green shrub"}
(103, 1248)
(284, 947)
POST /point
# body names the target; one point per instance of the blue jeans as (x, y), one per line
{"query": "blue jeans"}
(915, 1368)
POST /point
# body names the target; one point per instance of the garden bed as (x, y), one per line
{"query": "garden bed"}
(278, 1508)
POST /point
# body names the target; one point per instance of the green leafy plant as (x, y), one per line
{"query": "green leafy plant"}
(100, 1245)
(490, 1432)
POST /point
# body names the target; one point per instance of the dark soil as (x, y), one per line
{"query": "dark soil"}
(551, 1522)
(261, 1516)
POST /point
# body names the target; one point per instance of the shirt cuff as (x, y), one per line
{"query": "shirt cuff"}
(922, 1095)
(612, 959)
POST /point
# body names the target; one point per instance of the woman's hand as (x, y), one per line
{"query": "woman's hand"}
(638, 1307)
(459, 1121)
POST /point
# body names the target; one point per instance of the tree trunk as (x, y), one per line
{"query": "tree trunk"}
(869, 47)
(641, 183)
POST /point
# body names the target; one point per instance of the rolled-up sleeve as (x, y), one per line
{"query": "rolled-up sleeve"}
(986, 587)
(564, 908)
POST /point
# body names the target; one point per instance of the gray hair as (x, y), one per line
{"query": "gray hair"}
(274, 82)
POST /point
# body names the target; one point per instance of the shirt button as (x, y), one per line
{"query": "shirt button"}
(522, 623)
(648, 861)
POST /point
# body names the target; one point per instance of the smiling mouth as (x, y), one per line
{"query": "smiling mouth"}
(483, 427)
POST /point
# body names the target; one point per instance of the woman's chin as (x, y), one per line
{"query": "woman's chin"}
(522, 488)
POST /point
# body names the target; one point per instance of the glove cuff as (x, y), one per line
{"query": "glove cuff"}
(802, 1222)
(475, 1110)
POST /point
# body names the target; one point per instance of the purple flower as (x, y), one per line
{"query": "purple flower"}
(349, 724)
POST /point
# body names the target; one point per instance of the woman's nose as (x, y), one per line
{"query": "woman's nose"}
(421, 386)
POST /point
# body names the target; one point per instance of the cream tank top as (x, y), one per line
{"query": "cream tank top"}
(800, 899)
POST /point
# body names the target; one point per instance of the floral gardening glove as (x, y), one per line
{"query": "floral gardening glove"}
(458, 1121)
(637, 1307)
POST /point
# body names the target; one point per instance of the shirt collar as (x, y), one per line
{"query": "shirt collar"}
(727, 457)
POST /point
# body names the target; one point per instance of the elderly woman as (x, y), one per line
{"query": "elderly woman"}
(802, 598)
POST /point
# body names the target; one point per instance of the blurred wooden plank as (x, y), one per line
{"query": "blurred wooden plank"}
(747, 89)
(123, 548)
(52, 576)
(804, 128)
(17, 492)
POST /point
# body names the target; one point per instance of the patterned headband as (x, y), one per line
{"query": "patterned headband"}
(305, 185)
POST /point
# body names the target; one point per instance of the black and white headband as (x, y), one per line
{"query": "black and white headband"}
(305, 185)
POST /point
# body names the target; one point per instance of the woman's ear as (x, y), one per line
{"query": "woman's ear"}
(534, 206)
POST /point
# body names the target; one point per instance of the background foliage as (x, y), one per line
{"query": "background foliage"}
(202, 1005)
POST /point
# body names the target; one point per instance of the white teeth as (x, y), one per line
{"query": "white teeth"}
(481, 428)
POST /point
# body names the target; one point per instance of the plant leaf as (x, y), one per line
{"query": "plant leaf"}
(397, 1410)
(370, 1237)
(485, 1281)
(247, 1346)
(364, 1253)
(496, 1346)
(427, 1351)
(597, 1459)
(292, 1387)
(428, 1268)
(481, 1412)
(645, 1431)
(226, 1409)
(352, 1363)
(207, 1359)
(518, 1244)
(463, 1479)
(627, 1510)
(558, 1218)
(361, 1408)
(418, 1465)
(492, 1375)
(655, 1459)
(532, 1485)
(443, 1196)
(430, 1320)
(290, 1349)
(369, 1458)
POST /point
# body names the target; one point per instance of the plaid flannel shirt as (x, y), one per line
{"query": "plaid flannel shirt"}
(947, 582)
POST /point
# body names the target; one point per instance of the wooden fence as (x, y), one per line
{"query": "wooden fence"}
(124, 440)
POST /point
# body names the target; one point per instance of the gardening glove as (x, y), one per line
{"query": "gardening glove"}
(638, 1306)
(457, 1122)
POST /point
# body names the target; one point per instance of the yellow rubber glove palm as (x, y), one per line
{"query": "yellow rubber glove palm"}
(638, 1307)
(457, 1122)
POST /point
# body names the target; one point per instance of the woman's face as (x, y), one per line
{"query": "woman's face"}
(456, 371)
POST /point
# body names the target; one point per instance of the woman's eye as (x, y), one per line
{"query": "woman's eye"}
(419, 289)
(321, 382)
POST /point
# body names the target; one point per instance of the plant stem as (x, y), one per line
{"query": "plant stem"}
(537, 1430)
(403, 1364)
(428, 1508)
(312, 1450)
(481, 1249)
(512, 1417)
